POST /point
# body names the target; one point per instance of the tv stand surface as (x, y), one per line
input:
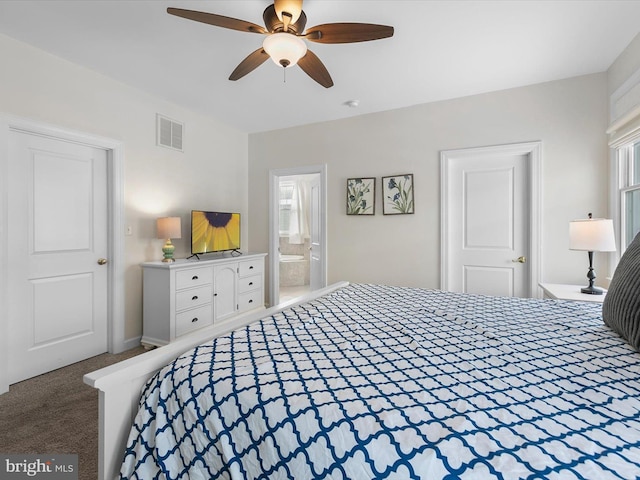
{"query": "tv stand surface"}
(216, 255)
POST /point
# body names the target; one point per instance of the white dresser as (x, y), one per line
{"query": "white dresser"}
(186, 295)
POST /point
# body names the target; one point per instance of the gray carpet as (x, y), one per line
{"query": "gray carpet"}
(56, 413)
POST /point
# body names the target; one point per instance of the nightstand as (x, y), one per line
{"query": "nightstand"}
(560, 291)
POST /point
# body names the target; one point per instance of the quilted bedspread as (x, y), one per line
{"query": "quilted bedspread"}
(389, 382)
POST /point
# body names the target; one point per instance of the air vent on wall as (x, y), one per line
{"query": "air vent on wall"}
(169, 132)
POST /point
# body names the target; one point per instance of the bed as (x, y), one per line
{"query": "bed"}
(373, 381)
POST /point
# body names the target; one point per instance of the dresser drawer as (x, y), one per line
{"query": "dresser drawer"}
(193, 277)
(193, 297)
(250, 267)
(250, 300)
(246, 284)
(193, 319)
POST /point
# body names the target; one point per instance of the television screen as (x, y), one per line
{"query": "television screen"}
(214, 231)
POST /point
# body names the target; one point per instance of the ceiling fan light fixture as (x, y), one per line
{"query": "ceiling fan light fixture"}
(291, 7)
(284, 49)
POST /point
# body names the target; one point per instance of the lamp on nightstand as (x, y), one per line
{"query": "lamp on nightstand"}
(168, 228)
(592, 235)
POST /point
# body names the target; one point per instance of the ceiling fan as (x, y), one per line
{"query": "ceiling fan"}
(285, 23)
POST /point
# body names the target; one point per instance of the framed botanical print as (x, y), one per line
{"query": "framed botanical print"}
(397, 194)
(361, 196)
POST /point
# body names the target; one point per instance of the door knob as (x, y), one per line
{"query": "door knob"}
(102, 261)
(522, 259)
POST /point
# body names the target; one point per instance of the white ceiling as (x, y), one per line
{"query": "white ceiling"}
(440, 50)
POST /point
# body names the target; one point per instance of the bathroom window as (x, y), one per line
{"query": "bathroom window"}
(286, 196)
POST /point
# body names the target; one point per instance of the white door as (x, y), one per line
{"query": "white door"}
(487, 219)
(315, 233)
(57, 239)
(224, 287)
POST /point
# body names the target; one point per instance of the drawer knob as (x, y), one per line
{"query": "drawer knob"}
(250, 283)
(250, 301)
(195, 277)
(194, 320)
(251, 267)
(195, 297)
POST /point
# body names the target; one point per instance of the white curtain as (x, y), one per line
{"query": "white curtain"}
(299, 216)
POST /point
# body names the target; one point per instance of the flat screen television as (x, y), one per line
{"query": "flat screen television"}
(214, 232)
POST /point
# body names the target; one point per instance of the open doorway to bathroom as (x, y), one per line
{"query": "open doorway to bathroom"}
(302, 237)
(294, 232)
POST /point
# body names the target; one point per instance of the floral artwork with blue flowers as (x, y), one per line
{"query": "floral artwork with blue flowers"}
(361, 196)
(397, 192)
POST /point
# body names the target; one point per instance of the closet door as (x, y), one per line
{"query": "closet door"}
(57, 240)
(489, 220)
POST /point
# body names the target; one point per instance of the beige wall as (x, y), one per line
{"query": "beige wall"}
(210, 174)
(568, 116)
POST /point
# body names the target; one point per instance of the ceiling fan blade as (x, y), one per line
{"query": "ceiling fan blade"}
(217, 20)
(249, 64)
(348, 32)
(312, 66)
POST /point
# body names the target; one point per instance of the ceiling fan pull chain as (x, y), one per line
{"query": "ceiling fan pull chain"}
(284, 75)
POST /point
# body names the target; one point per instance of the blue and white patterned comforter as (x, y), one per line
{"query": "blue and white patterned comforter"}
(389, 382)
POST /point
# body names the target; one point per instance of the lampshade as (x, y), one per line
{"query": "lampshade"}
(284, 49)
(292, 7)
(169, 227)
(592, 235)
